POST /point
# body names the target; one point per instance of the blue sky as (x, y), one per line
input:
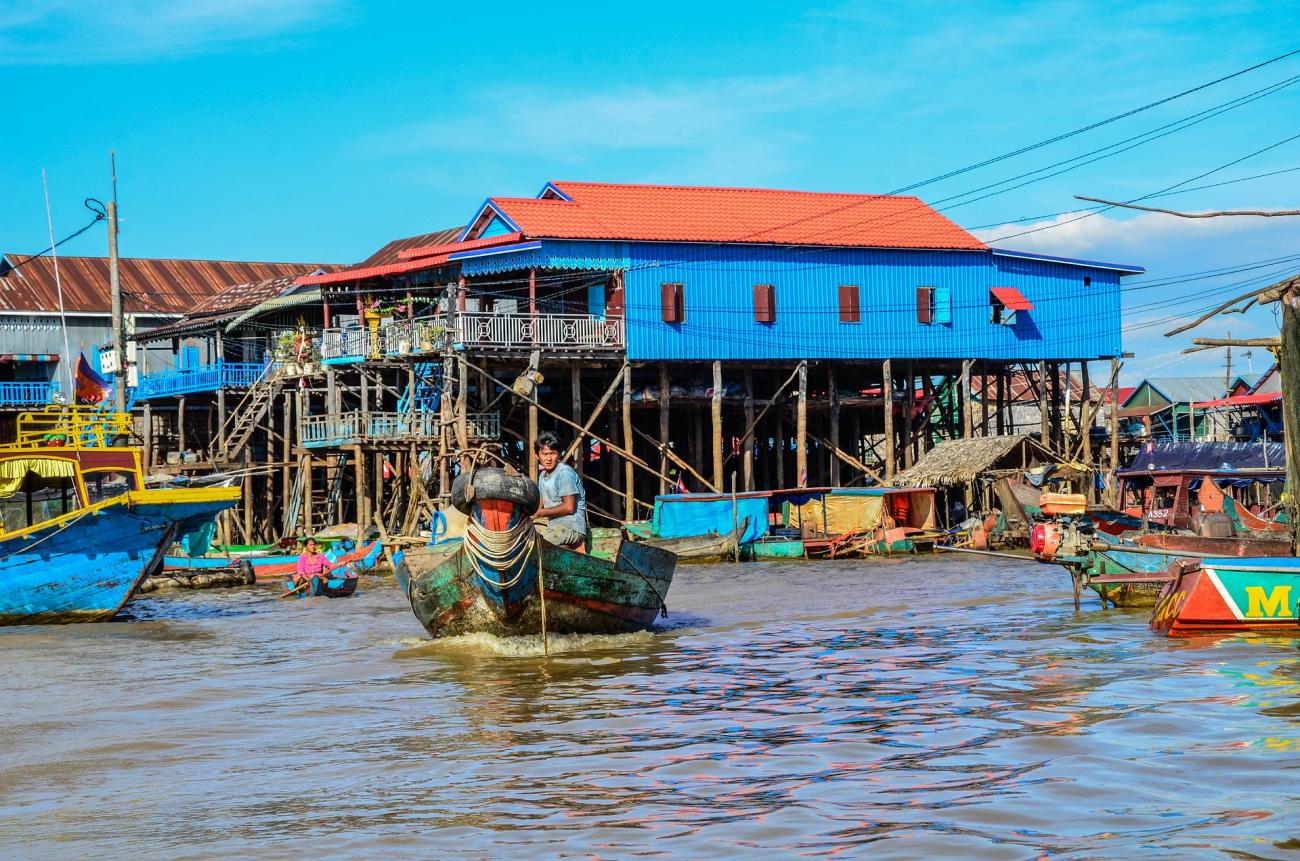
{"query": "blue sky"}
(316, 130)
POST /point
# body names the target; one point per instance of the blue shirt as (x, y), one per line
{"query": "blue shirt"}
(561, 482)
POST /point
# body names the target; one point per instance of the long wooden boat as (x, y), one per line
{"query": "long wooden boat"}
(489, 582)
(84, 564)
(324, 587)
(275, 566)
(1223, 595)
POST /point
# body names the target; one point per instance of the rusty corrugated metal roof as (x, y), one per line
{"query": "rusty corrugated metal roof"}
(390, 252)
(157, 285)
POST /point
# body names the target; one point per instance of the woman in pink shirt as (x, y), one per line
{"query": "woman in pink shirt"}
(312, 563)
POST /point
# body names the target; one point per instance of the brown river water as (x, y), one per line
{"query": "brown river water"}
(925, 707)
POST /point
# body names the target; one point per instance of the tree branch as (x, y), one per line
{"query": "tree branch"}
(1201, 319)
(1262, 213)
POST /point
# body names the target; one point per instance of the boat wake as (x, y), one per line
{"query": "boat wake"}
(525, 646)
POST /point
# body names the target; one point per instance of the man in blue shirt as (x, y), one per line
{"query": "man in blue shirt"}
(564, 502)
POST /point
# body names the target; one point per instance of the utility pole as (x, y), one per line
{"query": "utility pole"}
(1227, 371)
(115, 289)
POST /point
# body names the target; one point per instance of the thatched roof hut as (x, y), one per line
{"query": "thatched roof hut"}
(962, 461)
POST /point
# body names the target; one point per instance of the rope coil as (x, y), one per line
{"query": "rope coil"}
(500, 551)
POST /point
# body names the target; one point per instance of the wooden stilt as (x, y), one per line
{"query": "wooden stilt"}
(462, 413)
(1085, 426)
(1044, 421)
(780, 448)
(665, 405)
(801, 429)
(148, 437)
(180, 425)
(532, 441)
(1113, 460)
(909, 408)
(359, 473)
(575, 404)
(747, 446)
(984, 398)
(833, 423)
(967, 415)
(715, 411)
(891, 439)
(629, 477)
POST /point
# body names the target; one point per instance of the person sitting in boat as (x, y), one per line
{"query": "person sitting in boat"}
(312, 563)
(564, 501)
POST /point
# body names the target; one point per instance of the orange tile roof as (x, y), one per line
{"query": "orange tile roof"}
(750, 215)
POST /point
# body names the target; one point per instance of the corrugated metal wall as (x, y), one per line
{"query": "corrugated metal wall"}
(1069, 319)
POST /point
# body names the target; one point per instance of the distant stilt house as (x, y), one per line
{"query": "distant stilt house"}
(191, 370)
(38, 352)
(1250, 412)
(685, 337)
(1161, 409)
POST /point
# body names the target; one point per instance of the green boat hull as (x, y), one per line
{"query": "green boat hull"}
(584, 594)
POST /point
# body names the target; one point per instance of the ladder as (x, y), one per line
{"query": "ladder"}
(251, 410)
(427, 392)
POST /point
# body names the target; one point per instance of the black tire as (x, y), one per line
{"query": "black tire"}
(493, 483)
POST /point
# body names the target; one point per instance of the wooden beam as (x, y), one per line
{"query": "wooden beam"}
(967, 416)
(577, 450)
(1044, 420)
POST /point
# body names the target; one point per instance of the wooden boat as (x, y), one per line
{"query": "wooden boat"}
(1131, 571)
(275, 566)
(847, 522)
(324, 587)
(489, 582)
(710, 547)
(1223, 595)
(83, 564)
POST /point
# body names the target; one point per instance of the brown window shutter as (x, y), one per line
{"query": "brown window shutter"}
(924, 305)
(849, 310)
(764, 303)
(673, 302)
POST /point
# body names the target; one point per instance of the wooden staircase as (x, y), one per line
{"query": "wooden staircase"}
(246, 417)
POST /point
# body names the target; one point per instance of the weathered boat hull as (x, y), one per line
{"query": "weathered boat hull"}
(1230, 594)
(324, 587)
(83, 567)
(584, 594)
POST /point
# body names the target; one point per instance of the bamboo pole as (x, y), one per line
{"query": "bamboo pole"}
(841, 454)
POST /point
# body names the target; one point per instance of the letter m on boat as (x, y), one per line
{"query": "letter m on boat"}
(1270, 605)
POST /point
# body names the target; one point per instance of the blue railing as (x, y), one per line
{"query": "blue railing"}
(203, 378)
(27, 393)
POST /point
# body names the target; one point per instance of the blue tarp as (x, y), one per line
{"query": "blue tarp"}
(684, 515)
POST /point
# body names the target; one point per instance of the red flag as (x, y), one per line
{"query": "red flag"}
(91, 388)
(681, 485)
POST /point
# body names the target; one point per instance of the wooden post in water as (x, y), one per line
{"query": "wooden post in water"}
(148, 437)
(801, 429)
(1289, 373)
(180, 426)
(909, 407)
(887, 389)
(1112, 484)
(984, 398)
(1085, 427)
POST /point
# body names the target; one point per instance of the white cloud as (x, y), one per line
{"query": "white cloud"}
(67, 31)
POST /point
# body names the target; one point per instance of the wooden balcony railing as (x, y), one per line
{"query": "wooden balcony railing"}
(355, 427)
(575, 332)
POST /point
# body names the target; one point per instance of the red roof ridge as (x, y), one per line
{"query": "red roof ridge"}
(845, 194)
(47, 255)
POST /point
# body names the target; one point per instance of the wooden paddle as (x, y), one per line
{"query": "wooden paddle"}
(296, 589)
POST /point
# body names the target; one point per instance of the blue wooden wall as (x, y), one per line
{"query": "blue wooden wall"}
(1069, 319)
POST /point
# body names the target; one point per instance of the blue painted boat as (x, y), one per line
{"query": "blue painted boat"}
(324, 587)
(82, 564)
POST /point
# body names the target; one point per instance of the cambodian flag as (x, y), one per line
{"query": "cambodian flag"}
(91, 387)
(681, 485)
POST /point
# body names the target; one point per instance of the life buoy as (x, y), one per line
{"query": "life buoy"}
(495, 483)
